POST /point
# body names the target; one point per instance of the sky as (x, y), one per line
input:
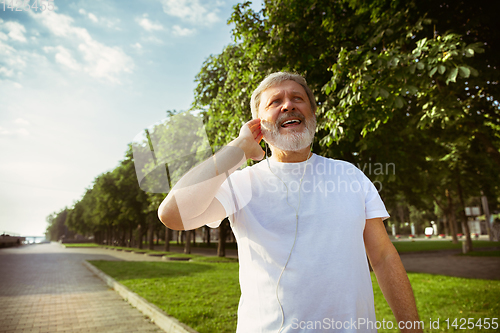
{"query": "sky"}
(79, 80)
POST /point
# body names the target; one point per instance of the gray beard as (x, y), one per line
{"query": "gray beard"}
(292, 141)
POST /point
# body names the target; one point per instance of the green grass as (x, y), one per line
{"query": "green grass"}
(436, 245)
(214, 259)
(188, 290)
(442, 297)
(212, 245)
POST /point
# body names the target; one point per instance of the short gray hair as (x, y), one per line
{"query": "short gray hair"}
(275, 79)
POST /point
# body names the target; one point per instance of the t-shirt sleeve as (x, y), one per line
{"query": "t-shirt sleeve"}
(374, 206)
(224, 197)
(233, 194)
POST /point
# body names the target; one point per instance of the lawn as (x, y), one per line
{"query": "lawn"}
(443, 297)
(189, 290)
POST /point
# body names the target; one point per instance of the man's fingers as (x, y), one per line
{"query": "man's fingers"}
(259, 137)
(254, 126)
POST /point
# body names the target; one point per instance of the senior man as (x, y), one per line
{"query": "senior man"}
(304, 223)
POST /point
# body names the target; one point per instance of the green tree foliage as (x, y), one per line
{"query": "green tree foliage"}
(413, 83)
(406, 90)
(114, 207)
(119, 209)
(57, 229)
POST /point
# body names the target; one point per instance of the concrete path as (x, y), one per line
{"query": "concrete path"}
(45, 288)
(448, 263)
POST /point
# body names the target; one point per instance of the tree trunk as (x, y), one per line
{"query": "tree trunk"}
(187, 243)
(221, 247)
(124, 238)
(110, 237)
(451, 218)
(446, 225)
(486, 210)
(207, 235)
(465, 224)
(167, 239)
(139, 237)
(151, 234)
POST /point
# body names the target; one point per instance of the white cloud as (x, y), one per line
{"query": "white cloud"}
(6, 72)
(14, 30)
(93, 18)
(22, 131)
(110, 23)
(182, 32)
(11, 59)
(21, 121)
(137, 46)
(105, 62)
(17, 132)
(99, 60)
(153, 39)
(147, 25)
(193, 11)
(63, 56)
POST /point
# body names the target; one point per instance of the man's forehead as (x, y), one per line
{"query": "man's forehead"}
(288, 85)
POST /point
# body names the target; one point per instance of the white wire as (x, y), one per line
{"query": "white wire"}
(296, 230)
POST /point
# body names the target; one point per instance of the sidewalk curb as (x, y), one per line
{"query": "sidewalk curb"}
(159, 317)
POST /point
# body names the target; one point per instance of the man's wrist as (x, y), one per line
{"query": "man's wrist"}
(243, 144)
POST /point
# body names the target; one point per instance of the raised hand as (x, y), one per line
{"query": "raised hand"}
(249, 139)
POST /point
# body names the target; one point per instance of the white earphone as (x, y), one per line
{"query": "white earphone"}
(296, 229)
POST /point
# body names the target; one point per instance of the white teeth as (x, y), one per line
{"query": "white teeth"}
(290, 122)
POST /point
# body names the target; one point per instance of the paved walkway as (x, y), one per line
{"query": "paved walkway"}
(448, 263)
(45, 288)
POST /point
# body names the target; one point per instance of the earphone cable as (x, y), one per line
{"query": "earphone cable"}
(296, 230)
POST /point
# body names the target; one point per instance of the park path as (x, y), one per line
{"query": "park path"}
(45, 288)
(448, 263)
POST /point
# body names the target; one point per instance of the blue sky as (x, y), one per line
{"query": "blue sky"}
(79, 82)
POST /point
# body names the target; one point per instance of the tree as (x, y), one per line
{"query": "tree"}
(414, 83)
(57, 229)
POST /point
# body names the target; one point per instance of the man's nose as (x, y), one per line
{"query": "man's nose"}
(288, 105)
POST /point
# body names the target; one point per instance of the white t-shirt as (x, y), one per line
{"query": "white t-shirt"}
(327, 279)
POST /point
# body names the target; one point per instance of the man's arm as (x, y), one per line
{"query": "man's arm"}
(191, 203)
(390, 273)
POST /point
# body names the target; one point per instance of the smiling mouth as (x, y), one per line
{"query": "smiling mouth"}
(291, 122)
